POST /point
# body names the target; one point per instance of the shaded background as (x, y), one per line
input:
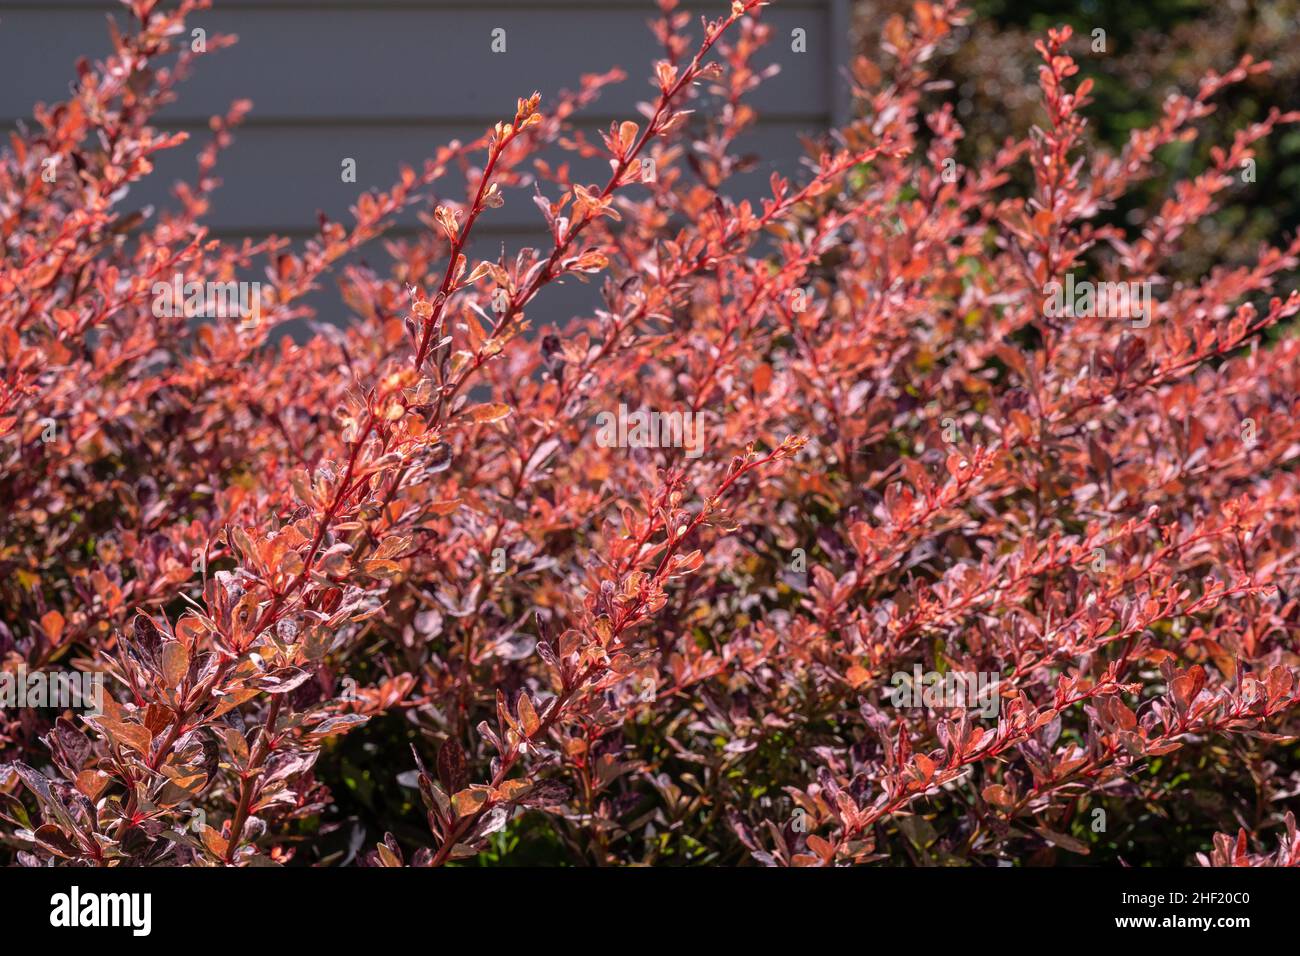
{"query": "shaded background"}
(1153, 48)
(387, 82)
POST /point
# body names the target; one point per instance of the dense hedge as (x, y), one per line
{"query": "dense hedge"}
(964, 533)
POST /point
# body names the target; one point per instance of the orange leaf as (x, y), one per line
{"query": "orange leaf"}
(52, 623)
(175, 662)
(527, 715)
(821, 847)
(214, 841)
(491, 412)
(467, 801)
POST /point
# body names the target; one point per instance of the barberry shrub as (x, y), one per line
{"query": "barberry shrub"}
(902, 516)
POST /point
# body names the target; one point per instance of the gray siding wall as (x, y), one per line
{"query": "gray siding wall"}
(386, 81)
